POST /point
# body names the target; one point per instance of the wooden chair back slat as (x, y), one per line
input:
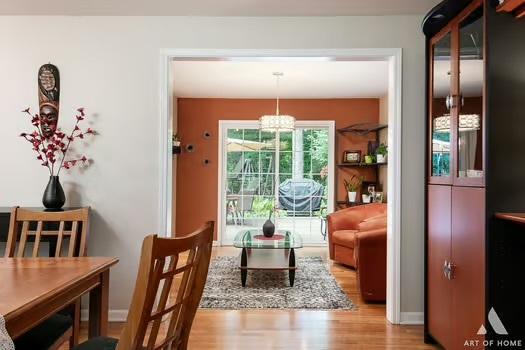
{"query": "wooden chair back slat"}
(23, 239)
(60, 237)
(157, 317)
(187, 280)
(158, 270)
(26, 218)
(38, 234)
(73, 239)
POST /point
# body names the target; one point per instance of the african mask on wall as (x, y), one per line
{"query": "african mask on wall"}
(49, 98)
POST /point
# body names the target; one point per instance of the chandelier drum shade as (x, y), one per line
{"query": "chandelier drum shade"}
(277, 122)
(467, 122)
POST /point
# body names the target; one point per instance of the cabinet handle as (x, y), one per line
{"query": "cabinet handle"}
(450, 269)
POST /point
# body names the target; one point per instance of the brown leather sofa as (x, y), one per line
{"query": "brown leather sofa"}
(357, 238)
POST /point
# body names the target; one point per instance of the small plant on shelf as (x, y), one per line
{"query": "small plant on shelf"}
(381, 153)
(352, 186)
(370, 159)
(175, 140)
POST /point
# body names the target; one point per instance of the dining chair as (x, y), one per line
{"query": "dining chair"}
(71, 241)
(170, 281)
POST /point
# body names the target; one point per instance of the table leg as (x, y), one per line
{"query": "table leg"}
(73, 341)
(291, 272)
(244, 263)
(98, 307)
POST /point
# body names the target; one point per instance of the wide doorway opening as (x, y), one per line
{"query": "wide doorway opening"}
(229, 171)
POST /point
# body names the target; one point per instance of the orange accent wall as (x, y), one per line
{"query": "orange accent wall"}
(197, 187)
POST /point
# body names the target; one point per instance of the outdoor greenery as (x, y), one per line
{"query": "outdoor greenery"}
(251, 164)
(441, 160)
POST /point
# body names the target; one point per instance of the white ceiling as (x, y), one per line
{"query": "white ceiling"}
(302, 79)
(216, 8)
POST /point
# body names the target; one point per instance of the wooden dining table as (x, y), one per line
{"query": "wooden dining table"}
(32, 289)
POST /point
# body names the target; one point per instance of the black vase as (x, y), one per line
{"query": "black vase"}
(268, 228)
(54, 197)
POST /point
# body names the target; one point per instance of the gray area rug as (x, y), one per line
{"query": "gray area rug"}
(314, 287)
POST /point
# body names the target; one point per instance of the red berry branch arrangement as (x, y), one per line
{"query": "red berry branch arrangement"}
(52, 150)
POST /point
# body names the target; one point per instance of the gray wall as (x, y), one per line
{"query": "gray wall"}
(110, 66)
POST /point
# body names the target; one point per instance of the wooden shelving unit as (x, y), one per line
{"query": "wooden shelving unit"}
(358, 165)
(360, 129)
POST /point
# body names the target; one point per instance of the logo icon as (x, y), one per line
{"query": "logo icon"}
(495, 322)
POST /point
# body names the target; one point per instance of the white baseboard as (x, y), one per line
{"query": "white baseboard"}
(408, 318)
(114, 315)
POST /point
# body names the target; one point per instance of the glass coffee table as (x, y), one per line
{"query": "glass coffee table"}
(263, 253)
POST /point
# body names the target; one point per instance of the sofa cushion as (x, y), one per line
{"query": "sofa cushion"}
(344, 237)
(372, 223)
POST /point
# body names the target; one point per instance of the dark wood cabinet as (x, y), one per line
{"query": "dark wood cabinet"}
(439, 242)
(475, 94)
(467, 256)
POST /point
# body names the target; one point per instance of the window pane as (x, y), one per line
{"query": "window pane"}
(470, 133)
(285, 162)
(441, 104)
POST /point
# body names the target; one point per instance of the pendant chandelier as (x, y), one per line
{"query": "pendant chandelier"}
(467, 122)
(277, 122)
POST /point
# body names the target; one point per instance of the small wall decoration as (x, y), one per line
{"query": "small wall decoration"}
(49, 98)
(352, 156)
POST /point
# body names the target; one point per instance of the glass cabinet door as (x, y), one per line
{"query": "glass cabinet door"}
(470, 102)
(440, 108)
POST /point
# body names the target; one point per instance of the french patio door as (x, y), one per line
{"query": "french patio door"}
(256, 176)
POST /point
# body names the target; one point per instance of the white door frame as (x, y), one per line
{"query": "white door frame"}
(254, 124)
(392, 55)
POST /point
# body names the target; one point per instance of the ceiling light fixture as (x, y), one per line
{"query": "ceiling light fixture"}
(467, 122)
(277, 122)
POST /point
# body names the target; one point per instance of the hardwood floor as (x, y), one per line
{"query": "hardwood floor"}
(366, 328)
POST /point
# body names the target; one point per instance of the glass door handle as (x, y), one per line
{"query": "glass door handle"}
(450, 101)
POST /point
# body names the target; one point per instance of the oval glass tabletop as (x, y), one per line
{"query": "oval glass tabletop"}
(256, 239)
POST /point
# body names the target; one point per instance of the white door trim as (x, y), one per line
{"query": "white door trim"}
(393, 55)
(254, 124)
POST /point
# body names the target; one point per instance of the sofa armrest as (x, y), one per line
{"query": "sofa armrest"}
(344, 219)
(370, 257)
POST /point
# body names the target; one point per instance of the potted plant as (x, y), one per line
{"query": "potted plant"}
(51, 146)
(352, 186)
(370, 159)
(175, 140)
(381, 153)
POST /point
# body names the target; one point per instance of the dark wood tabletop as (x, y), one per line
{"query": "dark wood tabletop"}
(514, 217)
(32, 289)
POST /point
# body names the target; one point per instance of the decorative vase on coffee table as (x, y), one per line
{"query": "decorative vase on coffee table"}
(54, 197)
(268, 227)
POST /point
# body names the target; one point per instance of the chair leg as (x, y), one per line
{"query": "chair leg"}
(73, 341)
(57, 345)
